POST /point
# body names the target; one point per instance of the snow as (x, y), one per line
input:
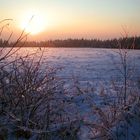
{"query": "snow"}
(91, 70)
(86, 64)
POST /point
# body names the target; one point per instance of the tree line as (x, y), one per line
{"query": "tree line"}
(127, 42)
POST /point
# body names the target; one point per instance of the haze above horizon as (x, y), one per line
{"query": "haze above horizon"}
(61, 19)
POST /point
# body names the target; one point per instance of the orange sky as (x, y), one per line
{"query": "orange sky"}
(61, 19)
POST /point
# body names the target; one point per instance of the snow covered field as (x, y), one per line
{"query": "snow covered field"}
(91, 71)
(89, 66)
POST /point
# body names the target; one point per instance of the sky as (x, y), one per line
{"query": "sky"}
(62, 19)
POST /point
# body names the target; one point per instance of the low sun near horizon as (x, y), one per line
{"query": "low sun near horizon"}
(32, 22)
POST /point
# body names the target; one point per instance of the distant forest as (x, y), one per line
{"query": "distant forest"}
(129, 42)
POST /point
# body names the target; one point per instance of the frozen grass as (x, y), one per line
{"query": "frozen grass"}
(31, 100)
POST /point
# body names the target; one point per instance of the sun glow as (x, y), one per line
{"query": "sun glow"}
(33, 22)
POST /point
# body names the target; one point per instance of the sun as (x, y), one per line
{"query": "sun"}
(33, 22)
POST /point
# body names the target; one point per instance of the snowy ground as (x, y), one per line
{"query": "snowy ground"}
(90, 69)
(89, 66)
